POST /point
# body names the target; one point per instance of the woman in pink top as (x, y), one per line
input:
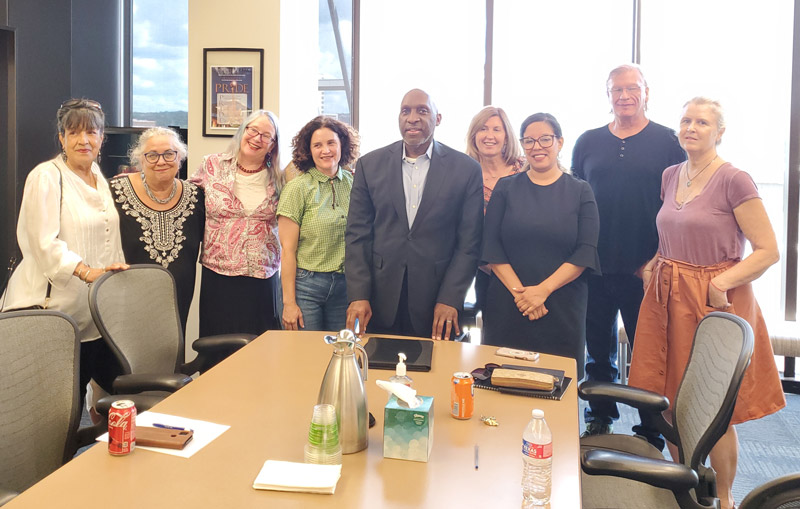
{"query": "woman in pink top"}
(489, 143)
(241, 253)
(710, 208)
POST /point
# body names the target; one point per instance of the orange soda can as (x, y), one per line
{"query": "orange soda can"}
(462, 395)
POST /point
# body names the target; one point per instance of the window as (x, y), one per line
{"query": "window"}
(335, 58)
(160, 70)
(743, 58)
(543, 64)
(420, 44)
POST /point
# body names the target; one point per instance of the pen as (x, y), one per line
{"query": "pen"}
(476, 456)
(166, 426)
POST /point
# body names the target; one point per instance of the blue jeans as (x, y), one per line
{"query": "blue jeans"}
(322, 297)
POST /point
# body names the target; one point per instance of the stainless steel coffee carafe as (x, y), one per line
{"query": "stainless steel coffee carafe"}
(343, 387)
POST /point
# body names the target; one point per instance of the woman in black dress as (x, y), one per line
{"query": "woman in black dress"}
(540, 235)
(161, 217)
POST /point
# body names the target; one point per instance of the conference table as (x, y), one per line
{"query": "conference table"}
(266, 393)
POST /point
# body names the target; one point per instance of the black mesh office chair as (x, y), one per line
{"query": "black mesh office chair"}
(39, 408)
(136, 312)
(781, 493)
(623, 471)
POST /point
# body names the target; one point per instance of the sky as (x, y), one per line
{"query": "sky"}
(160, 55)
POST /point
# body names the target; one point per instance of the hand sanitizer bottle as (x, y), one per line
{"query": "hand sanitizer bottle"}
(400, 372)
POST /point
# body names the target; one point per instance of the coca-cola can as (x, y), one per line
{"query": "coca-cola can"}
(462, 395)
(122, 427)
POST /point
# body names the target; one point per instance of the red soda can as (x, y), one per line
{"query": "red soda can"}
(122, 427)
(462, 395)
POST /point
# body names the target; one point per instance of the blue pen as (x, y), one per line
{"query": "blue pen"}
(166, 426)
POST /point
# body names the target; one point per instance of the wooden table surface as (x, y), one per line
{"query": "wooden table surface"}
(266, 393)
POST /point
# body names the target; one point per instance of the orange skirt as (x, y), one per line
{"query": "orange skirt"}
(674, 303)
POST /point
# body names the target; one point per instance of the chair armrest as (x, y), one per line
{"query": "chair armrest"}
(6, 495)
(617, 393)
(211, 350)
(141, 382)
(659, 473)
(231, 342)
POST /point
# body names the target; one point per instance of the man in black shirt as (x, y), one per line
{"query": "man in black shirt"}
(623, 162)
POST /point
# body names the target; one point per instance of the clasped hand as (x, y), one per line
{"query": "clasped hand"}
(530, 301)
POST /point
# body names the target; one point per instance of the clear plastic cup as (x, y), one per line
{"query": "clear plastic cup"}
(323, 445)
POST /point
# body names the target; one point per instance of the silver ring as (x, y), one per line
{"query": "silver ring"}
(449, 321)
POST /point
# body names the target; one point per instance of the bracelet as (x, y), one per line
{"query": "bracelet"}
(88, 269)
(717, 288)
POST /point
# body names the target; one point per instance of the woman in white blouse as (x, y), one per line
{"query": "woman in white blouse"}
(68, 233)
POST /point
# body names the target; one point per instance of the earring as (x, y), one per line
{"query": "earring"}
(269, 162)
(63, 154)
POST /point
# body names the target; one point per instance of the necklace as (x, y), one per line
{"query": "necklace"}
(245, 170)
(689, 180)
(153, 197)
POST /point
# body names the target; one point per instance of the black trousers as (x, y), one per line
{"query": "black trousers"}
(230, 304)
(610, 294)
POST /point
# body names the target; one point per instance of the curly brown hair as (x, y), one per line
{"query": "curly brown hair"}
(301, 143)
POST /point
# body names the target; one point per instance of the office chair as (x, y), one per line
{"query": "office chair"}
(781, 493)
(624, 471)
(39, 408)
(136, 312)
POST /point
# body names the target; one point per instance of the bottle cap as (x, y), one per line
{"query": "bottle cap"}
(537, 413)
(401, 366)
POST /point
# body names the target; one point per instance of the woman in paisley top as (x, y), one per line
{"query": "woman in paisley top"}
(241, 253)
(162, 218)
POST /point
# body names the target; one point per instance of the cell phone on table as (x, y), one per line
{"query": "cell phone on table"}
(517, 354)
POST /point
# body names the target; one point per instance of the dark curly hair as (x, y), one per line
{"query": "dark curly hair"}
(301, 143)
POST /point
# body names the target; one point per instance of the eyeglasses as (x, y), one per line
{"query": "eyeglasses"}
(253, 132)
(637, 89)
(80, 103)
(545, 141)
(169, 156)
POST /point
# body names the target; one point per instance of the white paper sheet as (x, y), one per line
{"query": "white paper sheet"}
(204, 432)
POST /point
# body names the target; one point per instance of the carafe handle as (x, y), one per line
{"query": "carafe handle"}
(359, 350)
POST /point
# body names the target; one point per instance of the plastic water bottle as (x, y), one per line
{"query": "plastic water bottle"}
(537, 460)
(323, 445)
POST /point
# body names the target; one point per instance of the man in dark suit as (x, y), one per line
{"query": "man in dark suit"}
(413, 230)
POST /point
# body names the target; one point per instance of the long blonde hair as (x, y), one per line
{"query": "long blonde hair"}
(511, 152)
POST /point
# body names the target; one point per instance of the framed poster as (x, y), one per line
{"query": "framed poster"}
(233, 86)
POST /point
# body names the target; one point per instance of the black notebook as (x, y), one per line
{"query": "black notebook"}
(560, 385)
(382, 353)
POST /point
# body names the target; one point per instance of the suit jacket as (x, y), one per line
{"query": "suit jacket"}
(441, 249)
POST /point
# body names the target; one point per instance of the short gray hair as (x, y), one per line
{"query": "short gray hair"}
(136, 153)
(625, 68)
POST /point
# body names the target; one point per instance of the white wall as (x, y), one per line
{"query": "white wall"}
(287, 30)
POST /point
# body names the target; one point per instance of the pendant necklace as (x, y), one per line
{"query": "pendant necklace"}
(153, 197)
(689, 180)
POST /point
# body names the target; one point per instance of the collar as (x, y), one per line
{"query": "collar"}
(321, 177)
(428, 152)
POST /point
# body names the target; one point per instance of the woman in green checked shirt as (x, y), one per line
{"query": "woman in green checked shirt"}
(312, 216)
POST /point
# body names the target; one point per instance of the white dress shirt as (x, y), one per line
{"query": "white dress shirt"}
(53, 241)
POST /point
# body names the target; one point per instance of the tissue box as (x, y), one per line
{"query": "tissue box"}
(408, 432)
